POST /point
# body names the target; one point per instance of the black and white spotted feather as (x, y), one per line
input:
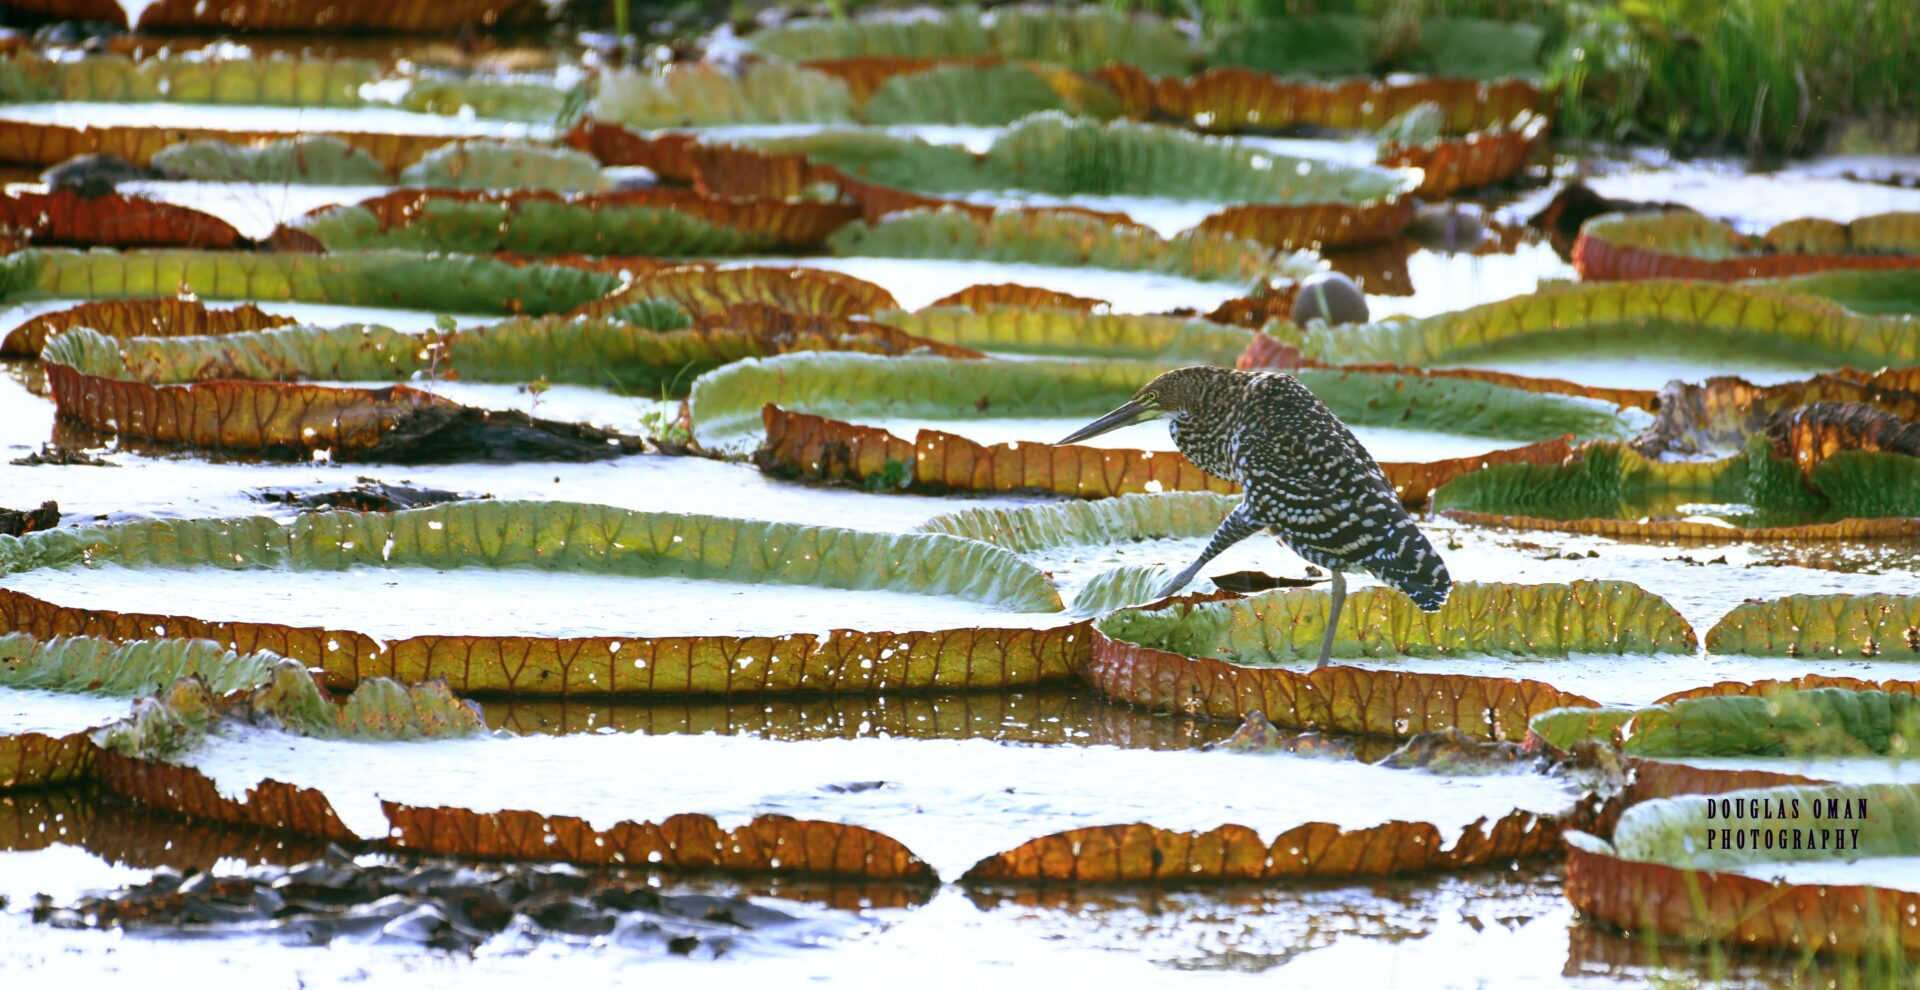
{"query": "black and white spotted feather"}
(1307, 479)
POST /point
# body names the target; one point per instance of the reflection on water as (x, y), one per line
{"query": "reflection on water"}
(1073, 716)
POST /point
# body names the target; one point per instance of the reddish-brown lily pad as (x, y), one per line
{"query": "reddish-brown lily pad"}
(50, 144)
(65, 217)
(184, 791)
(822, 449)
(1687, 245)
(33, 759)
(840, 662)
(979, 297)
(767, 844)
(1482, 158)
(1145, 853)
(1230, 99)
(166, 317)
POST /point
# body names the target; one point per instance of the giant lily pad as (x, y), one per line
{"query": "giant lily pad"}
(1755, 495)
(50, 144)
(590, 540)
(987, 95)
(1066, 239)
(1224, 100)
(1822, 625)
(1281, 201)
(1218, 658)
(82, 683)
(369, 278)
(1688, 245)
(66, 217)
(1085, 37)
(1682, 317)
(649, 350)
(201, 77)
(790, 399)
(137, 318)
(1662, 874)
(1482, 158)
(1830, 722)
(645, 222)
(553, 804)
(704, 95)
(1057, 332)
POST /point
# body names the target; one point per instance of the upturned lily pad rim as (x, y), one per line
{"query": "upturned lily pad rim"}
(726, 404)
(536, 534)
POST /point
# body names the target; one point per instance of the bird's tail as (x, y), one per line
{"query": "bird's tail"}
(1407, 561)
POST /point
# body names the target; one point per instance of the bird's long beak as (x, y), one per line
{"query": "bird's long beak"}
(1127, 415)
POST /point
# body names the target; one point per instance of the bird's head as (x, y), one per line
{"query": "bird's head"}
(1173, 393)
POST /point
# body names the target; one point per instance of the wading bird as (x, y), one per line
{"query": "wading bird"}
(1307, 480)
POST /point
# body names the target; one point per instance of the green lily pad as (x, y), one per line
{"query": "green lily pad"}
(1068, 240)
(403, 279)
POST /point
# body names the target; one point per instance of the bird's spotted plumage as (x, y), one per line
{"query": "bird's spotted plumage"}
(1307, 479)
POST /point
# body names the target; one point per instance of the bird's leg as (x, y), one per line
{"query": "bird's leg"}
(1333, 616)
(1237, 526)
